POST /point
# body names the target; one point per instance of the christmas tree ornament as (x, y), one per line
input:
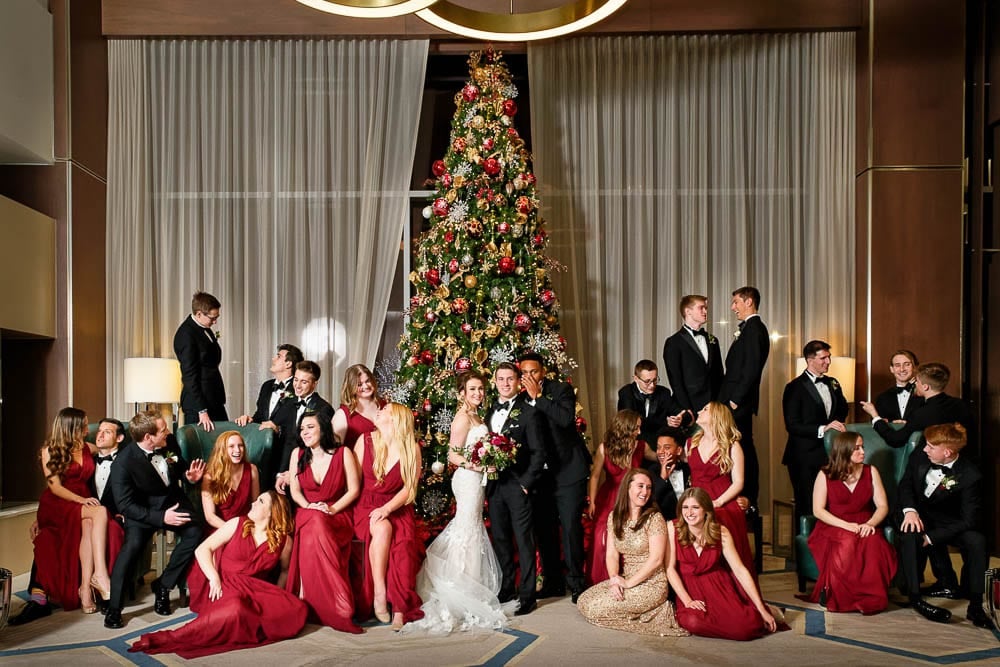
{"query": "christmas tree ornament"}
(467, 261)
(469, 94)
(440, 207)
(427, 212)
(509, 107)
(466, 328)
(475, 228)
(430, 315)
(547, 297)
(522, 322)
(488, 144)
(463, 364)
(518, 231)
(504, 227)
(470, 279)
(427, 405)
(499, 200)
(438, 168)
(459, 144)
(477, 122)
(523, 205)
(453, 265)
(449, 236)
(581, 425)
(495, 293)
(427, 357)
(459, 306)
(506, 265)
(446, 180)
(491, 166)
(433, 277)
(437, 467)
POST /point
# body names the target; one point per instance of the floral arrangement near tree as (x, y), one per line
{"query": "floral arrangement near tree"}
(482, 281)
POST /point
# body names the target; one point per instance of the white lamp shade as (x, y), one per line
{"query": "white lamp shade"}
(150, 380)
(841, 368)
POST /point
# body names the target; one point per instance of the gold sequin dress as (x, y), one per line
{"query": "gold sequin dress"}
(645, 609)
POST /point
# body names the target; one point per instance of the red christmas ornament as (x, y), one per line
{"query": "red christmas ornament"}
(427, 405)
(581, 425)
(512, 133)
(530, 178)
(466, 328)
(522, 322)
(449, 236)
(438, 168)
(459, 306)
(459, 144)
(509, 107)
(523, 205)
(440, 207)
(463, 364)
(427, 357)
(491, 166)
(507, 265)
(499, 200)
(433, 276)
(446, 180)
(414, 301)
(562, 343)
(453, 266)
(488, 144)
(470, 93)
(547, 297)
(503, 227)
(539, 238)
(413, 361)
(430, 315)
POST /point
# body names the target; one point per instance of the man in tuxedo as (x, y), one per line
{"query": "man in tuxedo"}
(275, 390)
(898, 403)
(741, 385)
(654, 404)
(940, 494)
(692, 357)
(203, 396)
(146, 480)
(511, 517)
(562, 490)
(812, 404)
(307, 374)
(938, 407)
(670, 473)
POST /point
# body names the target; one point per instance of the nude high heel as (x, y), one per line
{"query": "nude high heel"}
(86, 609)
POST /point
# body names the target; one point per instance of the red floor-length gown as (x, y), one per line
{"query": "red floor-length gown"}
(710, 477)
(57, 545)
(251, 612)
(357, 426)
(405, 550)
(321, 552)
(854, 571)
(729, 612)
(603, 504)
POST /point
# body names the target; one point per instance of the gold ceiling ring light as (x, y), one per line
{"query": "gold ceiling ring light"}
(369, 9)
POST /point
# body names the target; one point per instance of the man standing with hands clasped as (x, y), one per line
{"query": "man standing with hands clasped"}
(196, 346)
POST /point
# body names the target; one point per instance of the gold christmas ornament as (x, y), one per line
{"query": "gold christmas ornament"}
(451, 196)
(478, 122)
(470, 281)
(480, 356)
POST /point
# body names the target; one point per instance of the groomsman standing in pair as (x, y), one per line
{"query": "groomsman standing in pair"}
(304, 382)
(898, 403)
(196, 346)
(692, 357)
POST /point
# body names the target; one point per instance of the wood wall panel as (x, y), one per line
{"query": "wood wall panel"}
(862, 96)
(861, 187)
(918, 82)
(88, 78)
(916, 269)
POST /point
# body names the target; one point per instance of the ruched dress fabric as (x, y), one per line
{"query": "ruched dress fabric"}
(318, 571)
(709, 476)
(405, 550)
(238, 502)
(251, 612)
(645, 608)
(597, 570)
(461, 577)
(854, 571)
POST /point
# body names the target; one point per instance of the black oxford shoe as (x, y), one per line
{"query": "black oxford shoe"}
(932, 612)
(940, 590)
(162, 604)
(979, 617)
(113, 619)
(31, 612)
(527, 606)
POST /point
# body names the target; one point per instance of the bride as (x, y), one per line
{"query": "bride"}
(460, 578)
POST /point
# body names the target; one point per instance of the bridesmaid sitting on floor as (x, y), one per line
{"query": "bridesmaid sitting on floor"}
(636, 599)
(716, 595)
(230, 482)
(856, 564)
(324, 486)
(239, 608)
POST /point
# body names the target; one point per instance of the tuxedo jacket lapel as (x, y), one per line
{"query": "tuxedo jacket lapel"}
(689, 339)
(814, 392)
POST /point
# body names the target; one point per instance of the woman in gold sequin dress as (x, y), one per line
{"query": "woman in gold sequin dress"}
(634, 599)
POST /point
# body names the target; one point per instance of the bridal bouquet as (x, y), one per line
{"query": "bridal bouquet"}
(494, 451)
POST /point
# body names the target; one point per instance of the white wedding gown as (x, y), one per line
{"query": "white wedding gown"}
(461, 577)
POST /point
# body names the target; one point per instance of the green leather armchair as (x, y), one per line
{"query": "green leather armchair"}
(197, 443)
(890, 462)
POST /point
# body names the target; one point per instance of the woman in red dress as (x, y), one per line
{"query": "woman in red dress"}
(240, 607)
(384, 518)
(856, 564)
(619, 453)
(716, 595)
(716, 461)
(230, 482)
(71, 545)
(324, 486)
(359, 403)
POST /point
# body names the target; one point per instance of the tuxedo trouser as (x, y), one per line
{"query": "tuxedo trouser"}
(803, 478)
(561, 506)
(511, 520)
(137, 536)
(751, 465)
(972, 545)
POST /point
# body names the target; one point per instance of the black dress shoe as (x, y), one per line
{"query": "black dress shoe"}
(576, 595)
(550, 592)
(505, 597)
(939, 590)
(932, 612)
(978, 616)
(185, 600)
(528, 606)
(31, 612)
(113, 619)
(162, 604)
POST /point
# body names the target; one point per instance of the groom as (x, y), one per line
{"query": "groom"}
(510, 495)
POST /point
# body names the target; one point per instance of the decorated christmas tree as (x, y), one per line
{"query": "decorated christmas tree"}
(482, 280)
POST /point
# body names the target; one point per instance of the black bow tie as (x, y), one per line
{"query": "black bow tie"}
(699, 332)
(104, 459)
(301, 404)
(823, 380)
(150, 455)
(278, 388)
(504, 405)
(938, 466)
(907, 388)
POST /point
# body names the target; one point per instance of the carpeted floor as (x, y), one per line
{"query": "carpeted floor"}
(555, 634)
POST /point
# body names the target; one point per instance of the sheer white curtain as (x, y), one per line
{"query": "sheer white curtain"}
(272, 174)
(673, 165)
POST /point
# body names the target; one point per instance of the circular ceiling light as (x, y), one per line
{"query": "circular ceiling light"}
(520, 27)
(369, 9)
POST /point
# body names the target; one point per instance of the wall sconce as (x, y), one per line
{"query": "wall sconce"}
(841, 368)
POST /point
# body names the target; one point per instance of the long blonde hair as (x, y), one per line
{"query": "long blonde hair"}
(68, 433)
(725, 432)
(409, 453)
(279, 525)
(220, 468)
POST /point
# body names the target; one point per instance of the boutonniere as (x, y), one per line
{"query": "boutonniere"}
(514, 414)
(948, 482)
(834, 385)
(285, 395)
(736, 334)
(218, 335)
(169, 457)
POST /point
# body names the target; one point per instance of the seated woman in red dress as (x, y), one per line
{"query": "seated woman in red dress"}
(856, 564)
(325, 484)
(230, 482)
(619, 452)
(240, 607)
(359, 403)
(71, 545)
(716, 595)
(716, 461)
(384, 518)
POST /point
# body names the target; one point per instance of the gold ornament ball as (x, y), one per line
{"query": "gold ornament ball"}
(470, 281)
(551, 320)
(478, 122)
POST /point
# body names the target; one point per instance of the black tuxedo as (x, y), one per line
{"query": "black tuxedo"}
(562, 489)
(744, 367)
(143, 499)
(804, 413)
(939, 409)
(286, 417)
(199, 354)
(662, 404)
(694, 381)
(951, 516)
(511, 516)
(263, 412)
(887, 405)
(107, 498)
(663, 492)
